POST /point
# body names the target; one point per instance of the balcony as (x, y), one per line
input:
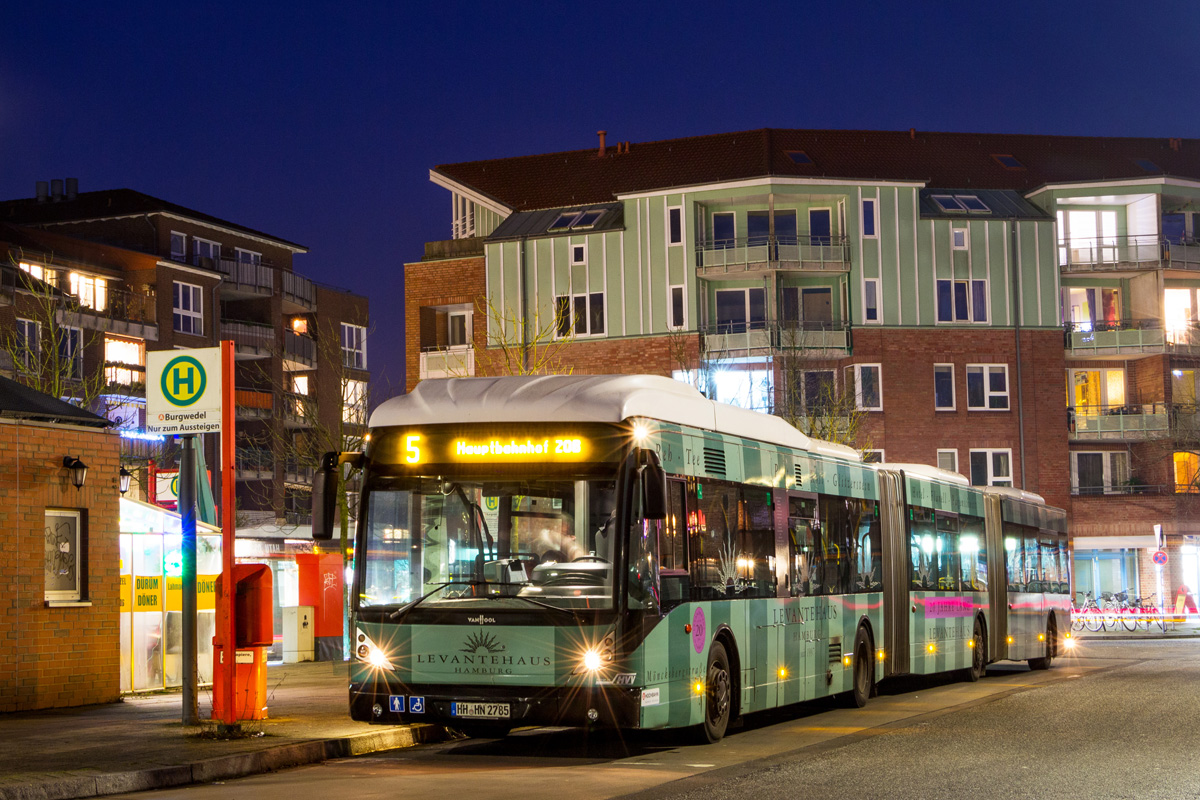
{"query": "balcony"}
(297, 410)
(245, 279)
(299, 293)
(448, 362)
(1127, 253)
(254, 464)
(299, 352)
(1131, 339)
(719, 258)
(121, 312)
(816, 340)
(297, 475)
(1128, 423)
(252, 405)
(251, 340)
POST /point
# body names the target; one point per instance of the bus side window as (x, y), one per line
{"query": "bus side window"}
(923, 549)
(1014, 558)
(803, 533)
(756, 545)
(869, 562)
(673, 568)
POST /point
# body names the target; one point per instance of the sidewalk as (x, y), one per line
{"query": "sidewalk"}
(141, 742)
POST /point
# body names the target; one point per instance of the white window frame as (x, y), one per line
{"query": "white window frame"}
(90, 290)
(992, 478)
(213, 248)
(732, 218)
(867, 454)
(180, 255)
(986, 370)
(955, 243)
(677, 210)
(858, 392)
(750, 324)
(247, 256)
(953, 390)
(578, 253)
(878, 320)
(873, 215)
(672, 323)
(1111, 484)
(45, 274)
(588, 299)
(354, 346)
(118, 369)
(354, 401)
(465, 315)
(70, 337)
(194, 310)
(28, 356)
(71, 543)
(971, 290)
(948, 451)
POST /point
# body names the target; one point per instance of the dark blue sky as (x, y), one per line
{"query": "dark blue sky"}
(319, 122)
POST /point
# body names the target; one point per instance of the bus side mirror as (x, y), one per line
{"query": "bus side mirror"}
(654, 488)
(324, 497)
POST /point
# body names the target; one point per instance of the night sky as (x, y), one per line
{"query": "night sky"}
(318, 123)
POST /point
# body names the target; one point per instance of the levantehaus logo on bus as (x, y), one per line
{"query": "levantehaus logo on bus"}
(483, 654)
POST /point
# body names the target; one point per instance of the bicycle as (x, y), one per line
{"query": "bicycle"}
(1149, 614)
(1087, 615)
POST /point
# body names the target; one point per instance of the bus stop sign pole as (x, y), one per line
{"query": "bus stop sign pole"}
(228, 500)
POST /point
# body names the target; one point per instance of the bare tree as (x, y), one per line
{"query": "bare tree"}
(515, 345)
(809, 397)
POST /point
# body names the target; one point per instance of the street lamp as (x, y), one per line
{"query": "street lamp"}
(125, 476)
(78, 470)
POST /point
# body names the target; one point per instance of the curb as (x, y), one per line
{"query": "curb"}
(225, 767)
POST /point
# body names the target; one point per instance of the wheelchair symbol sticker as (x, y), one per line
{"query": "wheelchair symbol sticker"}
(417, 705)
(396, 703)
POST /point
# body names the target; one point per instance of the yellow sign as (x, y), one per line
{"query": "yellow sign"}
(206, 593)
(147, 593)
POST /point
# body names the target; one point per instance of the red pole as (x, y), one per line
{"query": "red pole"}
(229, 589)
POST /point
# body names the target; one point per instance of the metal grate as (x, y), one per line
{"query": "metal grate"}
(835, 650)
(714, 461)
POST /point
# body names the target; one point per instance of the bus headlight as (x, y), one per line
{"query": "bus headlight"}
(371, 653)
(597, 657)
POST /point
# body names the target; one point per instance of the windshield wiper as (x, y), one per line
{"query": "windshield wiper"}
(399, 613)
(541, 603)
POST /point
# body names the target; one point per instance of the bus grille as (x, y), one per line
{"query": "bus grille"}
(835, 649)
(714, 461)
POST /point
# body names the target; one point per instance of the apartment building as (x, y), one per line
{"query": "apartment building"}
(132, 273)
(1017, 308)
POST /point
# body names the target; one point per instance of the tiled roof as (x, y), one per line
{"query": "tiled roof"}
(966, 160)
(114, 203)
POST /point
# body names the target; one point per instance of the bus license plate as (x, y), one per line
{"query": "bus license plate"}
(480, 710)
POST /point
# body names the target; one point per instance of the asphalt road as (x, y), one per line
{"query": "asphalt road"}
(1119, 720)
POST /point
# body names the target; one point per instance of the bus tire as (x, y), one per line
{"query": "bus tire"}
(718, 694)
(978, 666)
(864, 670)
(1043, 662)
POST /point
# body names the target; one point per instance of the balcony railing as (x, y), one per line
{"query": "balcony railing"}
(1131, 337)
(449, 362)
(297, 410)
(813, 339)
(122, 312)
(298, 290)
(247, 276)
(254, 463)
(253, 404)
(297, 473)
(299, 352)
(756, 253)
(1112, 253)
(249, 338)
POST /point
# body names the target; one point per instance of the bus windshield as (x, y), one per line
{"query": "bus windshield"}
(438, 543)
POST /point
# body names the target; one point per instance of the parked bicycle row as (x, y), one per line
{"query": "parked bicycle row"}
(1117, 610)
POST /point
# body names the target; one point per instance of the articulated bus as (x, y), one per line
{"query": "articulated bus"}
(620, 551)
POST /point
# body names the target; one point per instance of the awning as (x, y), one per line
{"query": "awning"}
(1113, 542)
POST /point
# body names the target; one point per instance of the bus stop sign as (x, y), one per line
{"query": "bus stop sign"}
(1160, 557)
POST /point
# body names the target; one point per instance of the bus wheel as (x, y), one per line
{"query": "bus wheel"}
(1043, 662)
(864, 669)
(718, 694)
(978, 654)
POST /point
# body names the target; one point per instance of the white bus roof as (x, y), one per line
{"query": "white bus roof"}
(927, 471)
(1016, 494)
(588, 398)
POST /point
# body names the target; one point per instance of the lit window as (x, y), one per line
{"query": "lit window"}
(300, 326)
(300, 384)
(1187, 473)
(124, 361)
(187, 306)
(354, 346)
(65, 559)
(580, 314)
(44, 274)
(354, 402)
(991, 468)
(943, 387)
(987, 387)
(91, 291)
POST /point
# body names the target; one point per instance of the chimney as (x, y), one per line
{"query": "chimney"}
(912, 133)
(43, 191)
(72, 188)
(601, 134)
(56, 189)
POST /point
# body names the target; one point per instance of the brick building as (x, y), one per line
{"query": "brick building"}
(1022, 309)
(59, 559)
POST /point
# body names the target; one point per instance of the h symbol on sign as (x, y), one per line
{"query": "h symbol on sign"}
(180, 379)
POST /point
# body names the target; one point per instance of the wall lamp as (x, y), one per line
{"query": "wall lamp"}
(78, 470)
(124, 477)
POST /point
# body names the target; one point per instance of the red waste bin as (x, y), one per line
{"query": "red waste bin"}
(254, 633)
